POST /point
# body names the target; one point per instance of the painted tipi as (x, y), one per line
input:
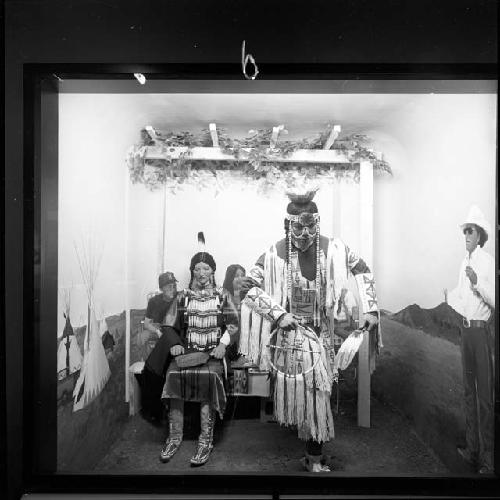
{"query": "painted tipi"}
(95, 370)
(69, 357)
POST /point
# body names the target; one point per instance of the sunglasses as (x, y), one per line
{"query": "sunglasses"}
(468, 230)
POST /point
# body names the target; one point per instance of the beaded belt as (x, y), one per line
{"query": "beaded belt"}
(473, 323)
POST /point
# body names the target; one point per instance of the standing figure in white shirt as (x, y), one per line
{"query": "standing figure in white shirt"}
(474, 299)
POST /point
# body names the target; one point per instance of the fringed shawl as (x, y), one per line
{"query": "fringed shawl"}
(337, 272)
(275, 276)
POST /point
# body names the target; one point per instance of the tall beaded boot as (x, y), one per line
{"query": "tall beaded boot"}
(205, 441)
(175, 430)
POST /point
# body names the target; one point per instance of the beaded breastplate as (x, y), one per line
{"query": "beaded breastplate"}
(202, 312)
(303, 291)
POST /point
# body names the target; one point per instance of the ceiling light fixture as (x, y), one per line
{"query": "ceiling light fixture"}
(140, 78)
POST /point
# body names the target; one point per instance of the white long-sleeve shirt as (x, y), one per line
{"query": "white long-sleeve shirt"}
(475, 301)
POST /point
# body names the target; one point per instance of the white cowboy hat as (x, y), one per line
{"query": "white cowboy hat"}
(475, 216)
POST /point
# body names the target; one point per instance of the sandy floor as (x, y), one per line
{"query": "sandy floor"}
(389, 447)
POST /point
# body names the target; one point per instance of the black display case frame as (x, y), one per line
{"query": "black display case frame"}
(42, 85)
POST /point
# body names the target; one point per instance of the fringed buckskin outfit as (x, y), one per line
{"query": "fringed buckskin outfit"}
(308, 284)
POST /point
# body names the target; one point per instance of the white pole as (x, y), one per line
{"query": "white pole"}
(366, 253)
(366, 211)
(164, 232)
(127, 307)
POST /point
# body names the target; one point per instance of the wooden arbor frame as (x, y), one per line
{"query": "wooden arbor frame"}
(326, 156)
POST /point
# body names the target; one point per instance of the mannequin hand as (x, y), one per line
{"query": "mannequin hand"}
(247, 283)
(370, 321)
(176, 350)
(471, 274)
(288, 322)
(219, 352)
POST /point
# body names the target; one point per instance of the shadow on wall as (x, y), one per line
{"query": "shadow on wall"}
(421, 375)
(84, 436)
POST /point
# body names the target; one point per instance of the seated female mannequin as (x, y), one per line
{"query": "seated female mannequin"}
(231, 289)
(203, 330)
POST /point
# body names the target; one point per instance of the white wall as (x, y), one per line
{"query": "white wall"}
(443, 150)
(441, 147)
(239, 224)
(95, 131)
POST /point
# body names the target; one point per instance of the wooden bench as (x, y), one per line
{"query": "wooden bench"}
(134, 401)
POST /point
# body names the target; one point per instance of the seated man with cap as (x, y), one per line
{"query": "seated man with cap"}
(162, 321)
(474, 299)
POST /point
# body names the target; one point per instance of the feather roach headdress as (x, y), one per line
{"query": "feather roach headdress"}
(301, 202)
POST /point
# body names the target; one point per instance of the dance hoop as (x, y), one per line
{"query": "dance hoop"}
(308, 333)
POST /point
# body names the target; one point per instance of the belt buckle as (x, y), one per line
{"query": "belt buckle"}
(466, 322)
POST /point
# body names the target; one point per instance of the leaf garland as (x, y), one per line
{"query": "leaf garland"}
(253, 160)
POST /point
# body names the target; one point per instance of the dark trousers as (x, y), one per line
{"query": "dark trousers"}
(314, 448)
(152, 377)
(151, 388)
(477, 361)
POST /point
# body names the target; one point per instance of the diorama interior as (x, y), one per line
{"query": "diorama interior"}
(140, 175)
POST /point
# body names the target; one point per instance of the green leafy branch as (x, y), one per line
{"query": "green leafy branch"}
(254, 159)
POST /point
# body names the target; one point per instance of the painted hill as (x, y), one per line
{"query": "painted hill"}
(441, 321)
(385, 312)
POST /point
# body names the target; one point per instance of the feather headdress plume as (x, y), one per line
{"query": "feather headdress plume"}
(201, 241)
(202, 255)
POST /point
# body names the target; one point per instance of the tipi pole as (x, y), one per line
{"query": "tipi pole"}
(88, 325)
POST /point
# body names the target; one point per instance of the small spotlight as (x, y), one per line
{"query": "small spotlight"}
(140, 78)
